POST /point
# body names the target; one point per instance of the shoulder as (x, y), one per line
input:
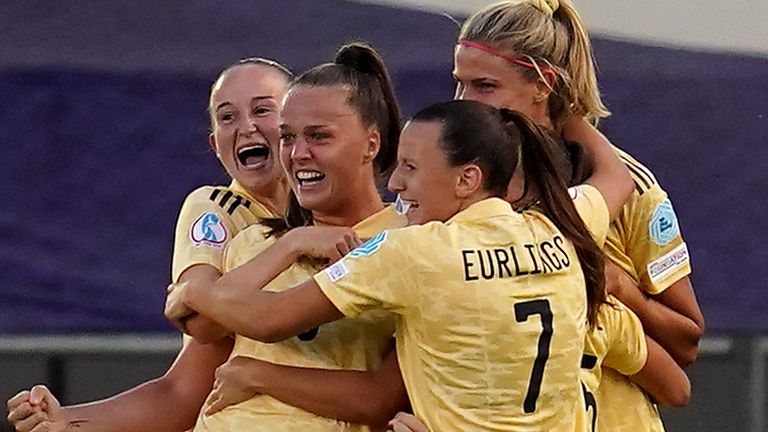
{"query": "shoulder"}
(642, 176)
(219, 198)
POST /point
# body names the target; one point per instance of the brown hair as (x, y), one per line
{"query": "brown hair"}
(549, 34)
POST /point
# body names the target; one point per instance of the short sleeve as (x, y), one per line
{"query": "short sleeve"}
(374, 276)
(202, 232)
(591, 206)
(627, 349)
(655, 245)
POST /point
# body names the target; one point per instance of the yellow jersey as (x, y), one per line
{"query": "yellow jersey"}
(491, 310)
(618, 343)
(646, 242)
(209, 218)
(359, 343)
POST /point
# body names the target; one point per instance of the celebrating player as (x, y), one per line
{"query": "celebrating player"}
(535, 56)
(492, 304)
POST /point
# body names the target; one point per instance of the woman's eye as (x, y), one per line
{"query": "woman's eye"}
(262, 111)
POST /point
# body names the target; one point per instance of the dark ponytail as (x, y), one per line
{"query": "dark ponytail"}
(546, 185)
(361, 69)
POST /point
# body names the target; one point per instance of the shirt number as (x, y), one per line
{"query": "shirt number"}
(524, 310)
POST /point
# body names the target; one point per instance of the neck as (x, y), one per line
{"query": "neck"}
(476, 198)
(351, 212)
(274, 197)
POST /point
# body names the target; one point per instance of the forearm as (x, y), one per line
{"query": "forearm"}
(347, 395)
(151, 406)
(205, 330)
(676, 333)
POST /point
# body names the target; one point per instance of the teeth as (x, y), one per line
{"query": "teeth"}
(251, 147)
(309, 175)
(402, 206)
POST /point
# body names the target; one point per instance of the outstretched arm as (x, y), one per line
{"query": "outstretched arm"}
(184, 388)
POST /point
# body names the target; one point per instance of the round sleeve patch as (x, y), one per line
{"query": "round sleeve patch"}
(209, 230)
(663, 226)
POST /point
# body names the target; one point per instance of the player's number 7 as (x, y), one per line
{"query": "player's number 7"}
(524, 310)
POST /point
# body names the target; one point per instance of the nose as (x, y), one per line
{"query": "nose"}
(246, 126)
(396, 183)
(300, 149)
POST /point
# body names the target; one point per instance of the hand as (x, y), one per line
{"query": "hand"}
(233, 384)
(617, 281)
(325, 242)
(36, 410)
(175, 310)
(404, 422)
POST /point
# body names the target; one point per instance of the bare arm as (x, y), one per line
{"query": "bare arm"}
(369, 397)
(146, 407)
(671, 318)
(610, 176)
(203, 329)
(256, 314)
(662, 378)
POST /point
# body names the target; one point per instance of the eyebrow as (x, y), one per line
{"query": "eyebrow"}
(257, 98)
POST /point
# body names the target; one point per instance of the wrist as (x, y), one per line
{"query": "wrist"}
(290, 241)
(258, 376)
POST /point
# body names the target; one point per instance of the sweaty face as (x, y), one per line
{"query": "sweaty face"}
(244, 109)
(484, 77)
(323, 147)
(423, 178)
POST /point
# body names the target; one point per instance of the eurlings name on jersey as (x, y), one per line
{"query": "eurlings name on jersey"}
(516, 260)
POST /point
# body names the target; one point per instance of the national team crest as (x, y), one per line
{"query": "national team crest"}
(370, 247)
(663, 226)
(209, 230)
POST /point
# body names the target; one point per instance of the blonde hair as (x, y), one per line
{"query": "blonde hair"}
(551, 35)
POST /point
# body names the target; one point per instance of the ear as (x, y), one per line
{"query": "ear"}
(212, 143)
(469, 181)
(373, 145)
(543, 88)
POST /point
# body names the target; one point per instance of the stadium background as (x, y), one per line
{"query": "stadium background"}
(104, 131)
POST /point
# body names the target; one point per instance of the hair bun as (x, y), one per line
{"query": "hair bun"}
(547, 7)
(358, 56)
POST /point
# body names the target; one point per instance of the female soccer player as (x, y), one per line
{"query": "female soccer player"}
(492, 304)
(535, 56)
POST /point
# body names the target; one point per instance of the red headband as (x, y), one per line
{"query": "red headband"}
(515, 60)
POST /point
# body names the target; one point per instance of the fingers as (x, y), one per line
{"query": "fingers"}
(31, 423)
(21, 397)
(397, 426)
(21, 411)
(45, 426)
(411, 421)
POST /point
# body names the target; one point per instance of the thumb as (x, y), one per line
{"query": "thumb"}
(40, 395)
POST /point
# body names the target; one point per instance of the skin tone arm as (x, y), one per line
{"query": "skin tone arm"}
(322, 242)
(672, 318)
(203, 329)
(184, 387)
(610, 176)
(662, 378)
(371, 397)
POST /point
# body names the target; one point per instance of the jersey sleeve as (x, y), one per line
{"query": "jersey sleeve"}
(655, 244)
(373, 276)
(627, 350)
(591, 206)
(203, 230)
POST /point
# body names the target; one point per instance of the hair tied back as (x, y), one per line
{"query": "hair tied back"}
(357, 56)
(547, 7)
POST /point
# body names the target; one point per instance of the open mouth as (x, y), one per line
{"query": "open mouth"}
(253, 156)
(308, 177)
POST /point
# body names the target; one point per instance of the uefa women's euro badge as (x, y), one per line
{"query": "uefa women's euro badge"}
(663, 226)
(208, 230)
